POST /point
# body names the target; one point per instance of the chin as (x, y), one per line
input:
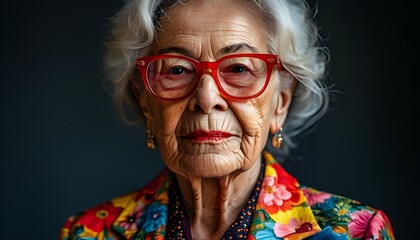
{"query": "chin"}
(209, 165)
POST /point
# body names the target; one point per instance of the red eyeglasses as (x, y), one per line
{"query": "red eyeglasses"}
(238, 76)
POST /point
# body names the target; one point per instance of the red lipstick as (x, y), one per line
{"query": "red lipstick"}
(208, 136)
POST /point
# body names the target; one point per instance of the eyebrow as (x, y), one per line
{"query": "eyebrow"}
(236, 47)
(226, 50)
(179, 50)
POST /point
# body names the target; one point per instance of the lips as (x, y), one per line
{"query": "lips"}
(200, 136)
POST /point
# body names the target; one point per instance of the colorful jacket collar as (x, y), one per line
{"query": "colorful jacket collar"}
(282, 212)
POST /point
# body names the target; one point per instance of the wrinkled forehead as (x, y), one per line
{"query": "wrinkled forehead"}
(192, 10)
(205, 27)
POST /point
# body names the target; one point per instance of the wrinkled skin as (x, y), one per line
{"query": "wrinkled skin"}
(216, 176)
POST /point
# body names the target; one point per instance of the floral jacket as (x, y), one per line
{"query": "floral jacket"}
(284, 210)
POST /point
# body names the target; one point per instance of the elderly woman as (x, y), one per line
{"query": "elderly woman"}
(214, 80)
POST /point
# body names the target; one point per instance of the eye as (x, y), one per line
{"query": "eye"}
(238, 68)
(177, 70)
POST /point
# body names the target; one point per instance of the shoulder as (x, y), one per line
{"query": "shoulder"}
(346, 215)
(117, 217)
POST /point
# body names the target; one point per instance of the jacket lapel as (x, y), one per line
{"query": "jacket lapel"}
(145, 211)
(282, 210)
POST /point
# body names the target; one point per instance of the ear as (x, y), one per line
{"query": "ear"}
(142, 99)
(287, 87)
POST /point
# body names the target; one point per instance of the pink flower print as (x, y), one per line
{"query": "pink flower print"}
(130, 223)
(315, 197)
(131, 220)
(273, 194)
(293, 226)
(282, 230)
(360, 221)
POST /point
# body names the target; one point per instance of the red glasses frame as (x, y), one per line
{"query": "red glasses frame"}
(207, 67)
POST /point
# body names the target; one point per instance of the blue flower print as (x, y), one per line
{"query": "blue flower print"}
(153, 217)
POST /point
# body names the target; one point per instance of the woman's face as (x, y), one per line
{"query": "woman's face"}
(206, 134)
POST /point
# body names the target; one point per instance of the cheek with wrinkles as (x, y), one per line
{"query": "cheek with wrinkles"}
(168, 145)
(255, 120)
(250, 117)
(164, 123)
(166, 119)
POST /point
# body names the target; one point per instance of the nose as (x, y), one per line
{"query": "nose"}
(207, 96)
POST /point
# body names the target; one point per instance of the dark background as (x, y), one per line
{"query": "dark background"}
(63, 148)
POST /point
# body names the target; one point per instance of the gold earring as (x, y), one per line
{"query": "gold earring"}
(150, 139)
(277, 139)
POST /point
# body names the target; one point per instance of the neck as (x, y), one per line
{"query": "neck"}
(213, 204)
